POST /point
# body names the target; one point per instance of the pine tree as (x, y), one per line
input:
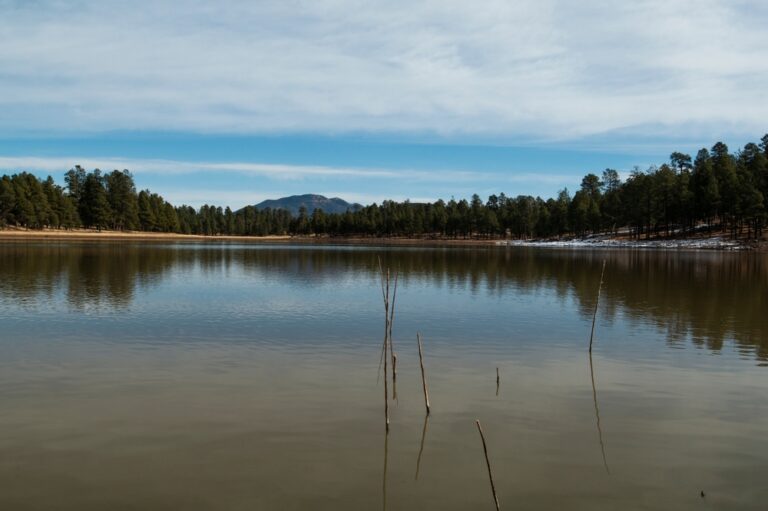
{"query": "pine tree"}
(147, 219)
(123, 200)
(94, 206)
(7, 201)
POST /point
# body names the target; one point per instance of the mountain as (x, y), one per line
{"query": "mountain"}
(309, 201)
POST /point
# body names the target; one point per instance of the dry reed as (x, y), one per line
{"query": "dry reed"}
(597, 304)
(488, 464)
(423, 374)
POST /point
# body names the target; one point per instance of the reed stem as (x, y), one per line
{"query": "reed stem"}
(386, 391)
(423, 375)
(597, 304)
(394, 376)
(385, 284)
(488, 464)
(392, 321)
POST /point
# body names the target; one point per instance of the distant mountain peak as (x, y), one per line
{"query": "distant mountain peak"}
(311, 202)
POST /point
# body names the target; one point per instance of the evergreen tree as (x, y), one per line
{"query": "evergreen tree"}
(559, 220)
(94, 206)
(705, 187)
(724, 166)
(147, 219)
(610, 206)
(681, 162)
(123, 200)
(665, 191)
(75, 181)
(716, 186)
(7, 201)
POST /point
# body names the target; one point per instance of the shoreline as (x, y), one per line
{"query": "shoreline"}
(160, 237)
(88, 235)
(599, 242)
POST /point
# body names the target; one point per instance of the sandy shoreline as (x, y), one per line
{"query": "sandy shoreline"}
(89, 235)
(711, 243)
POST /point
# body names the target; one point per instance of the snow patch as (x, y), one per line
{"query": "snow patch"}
(715, 243)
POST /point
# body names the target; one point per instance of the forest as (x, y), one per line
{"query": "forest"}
(716, 191)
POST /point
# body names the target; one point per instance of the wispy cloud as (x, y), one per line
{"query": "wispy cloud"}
(553, 69)
(550, 179)
(215, 184)
(268, 170)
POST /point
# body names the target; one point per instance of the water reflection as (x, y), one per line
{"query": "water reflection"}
(90, 276)
(705, 297)
(597, 413)
(384, 472)
(421, 445)
(242, 377)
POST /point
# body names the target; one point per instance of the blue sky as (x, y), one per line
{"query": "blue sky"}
(237, 101)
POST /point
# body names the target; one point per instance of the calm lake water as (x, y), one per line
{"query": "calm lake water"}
(244, 377)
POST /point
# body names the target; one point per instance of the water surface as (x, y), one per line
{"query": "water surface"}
(230, 376)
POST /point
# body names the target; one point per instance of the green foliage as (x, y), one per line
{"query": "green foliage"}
(705, 187)
(611, 206)
(94, 205)
(7, 200)
(75, 180)
(680, 162)
(123, 200)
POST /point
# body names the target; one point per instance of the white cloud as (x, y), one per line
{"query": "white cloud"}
(552, 179)
(552, 69)
(238, 199)
(269, 170)
(282, 179)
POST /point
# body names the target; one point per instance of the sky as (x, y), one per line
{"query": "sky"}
(237, 101)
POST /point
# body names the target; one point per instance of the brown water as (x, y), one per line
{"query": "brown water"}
(233, 377)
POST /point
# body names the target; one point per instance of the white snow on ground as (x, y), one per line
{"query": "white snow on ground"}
(605, 242)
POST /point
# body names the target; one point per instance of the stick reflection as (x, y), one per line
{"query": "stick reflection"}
(597, 414)
(384, 478)
(421, 448)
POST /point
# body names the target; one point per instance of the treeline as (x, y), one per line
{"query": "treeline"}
(717, 189)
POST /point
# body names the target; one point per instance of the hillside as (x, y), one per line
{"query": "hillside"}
(309, 201)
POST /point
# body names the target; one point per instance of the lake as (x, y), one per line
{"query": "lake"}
(139, 376)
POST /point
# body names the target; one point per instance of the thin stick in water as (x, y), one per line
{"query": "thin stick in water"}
(386, 338)
(391, 322)
(381, 359)
(386, 308)
(386, 390)
(597, 304)
(423, 375)
(381, 280)
(385, 299)
(488, 464)
(386, 393)
(497, 381)
(394, 375)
